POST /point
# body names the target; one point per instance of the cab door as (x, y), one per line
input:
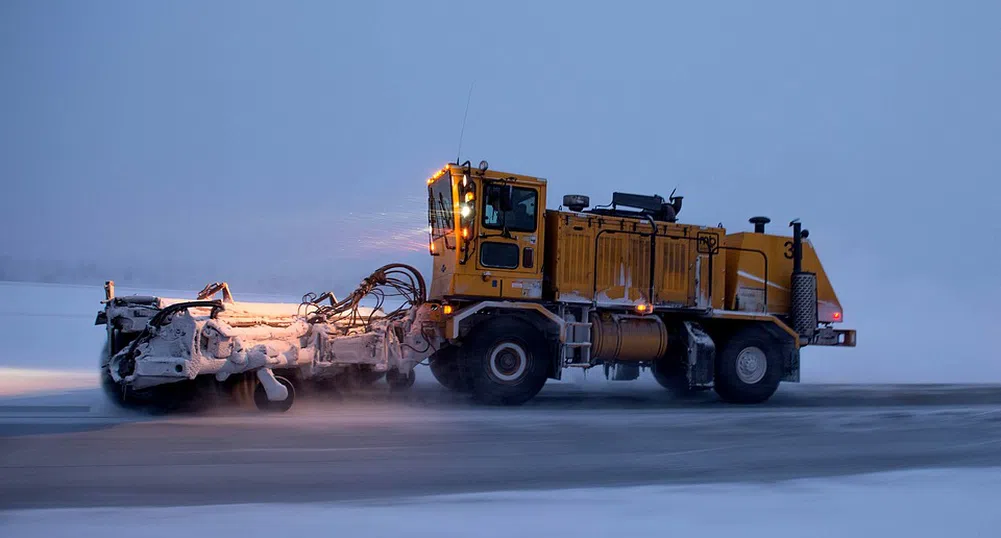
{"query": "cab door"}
(509, 245)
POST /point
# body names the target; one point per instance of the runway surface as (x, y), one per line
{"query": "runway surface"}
(75, 450)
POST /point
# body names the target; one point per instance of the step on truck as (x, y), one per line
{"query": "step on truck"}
(516, 294)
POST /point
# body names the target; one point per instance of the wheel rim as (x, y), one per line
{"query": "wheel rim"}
(508, 362)
(752, 363)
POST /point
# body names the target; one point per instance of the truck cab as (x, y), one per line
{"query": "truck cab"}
(486, 233)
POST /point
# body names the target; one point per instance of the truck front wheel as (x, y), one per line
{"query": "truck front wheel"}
(748, 367)
(445, 368)
(506, 360)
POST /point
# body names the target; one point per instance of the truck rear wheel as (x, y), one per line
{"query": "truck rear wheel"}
(507, 362)
(748, 367)
(445, 369)
(674, 380)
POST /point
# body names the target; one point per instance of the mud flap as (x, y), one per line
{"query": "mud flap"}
(791, 373)
(701, 351)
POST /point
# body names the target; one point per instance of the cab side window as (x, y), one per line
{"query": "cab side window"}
(519, 217)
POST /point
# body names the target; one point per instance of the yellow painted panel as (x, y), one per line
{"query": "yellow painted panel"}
(622, 272)
(747, 276)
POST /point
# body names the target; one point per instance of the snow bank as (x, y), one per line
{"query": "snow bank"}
(24, 381)
(914, 503)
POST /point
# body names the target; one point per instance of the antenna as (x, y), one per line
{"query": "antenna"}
(464, 114)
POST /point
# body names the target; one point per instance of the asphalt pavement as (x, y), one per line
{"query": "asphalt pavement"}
(75, 450)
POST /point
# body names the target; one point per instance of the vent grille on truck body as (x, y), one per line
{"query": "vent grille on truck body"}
(676, 274)
(621, 276)
(575, 262)
(623, 268)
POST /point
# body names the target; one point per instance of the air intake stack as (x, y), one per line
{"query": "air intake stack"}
(803, 307)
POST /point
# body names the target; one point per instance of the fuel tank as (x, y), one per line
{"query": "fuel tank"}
(626, 337)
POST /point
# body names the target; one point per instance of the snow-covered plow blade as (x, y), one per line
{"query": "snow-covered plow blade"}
(160, 350)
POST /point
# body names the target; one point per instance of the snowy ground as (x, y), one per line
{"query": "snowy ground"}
(21, 381)
(931, 503)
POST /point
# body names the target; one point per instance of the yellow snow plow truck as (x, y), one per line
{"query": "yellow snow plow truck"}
(516, 294)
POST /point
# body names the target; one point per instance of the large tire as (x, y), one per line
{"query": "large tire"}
(113, 390)
(399, 381)
(445, 369)
(673, 378)
(367, 378)
(748, 367)
(506, 361)
(357, 378)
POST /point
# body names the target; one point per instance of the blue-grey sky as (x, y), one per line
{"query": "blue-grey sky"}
(257, 141)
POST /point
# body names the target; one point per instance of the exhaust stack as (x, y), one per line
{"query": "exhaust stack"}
(759, 223)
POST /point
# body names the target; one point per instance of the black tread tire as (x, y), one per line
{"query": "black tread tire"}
(354, 379)
(445, 369)
(113, 391)
(264, 404)
(158, 399)
(366, 378)
(398, 381)
(728, 384)
(676, 382)
(475, 361)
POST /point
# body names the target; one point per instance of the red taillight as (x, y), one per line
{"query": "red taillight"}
(837, 316)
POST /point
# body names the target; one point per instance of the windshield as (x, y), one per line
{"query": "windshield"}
(440, 204)
(521, 216)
